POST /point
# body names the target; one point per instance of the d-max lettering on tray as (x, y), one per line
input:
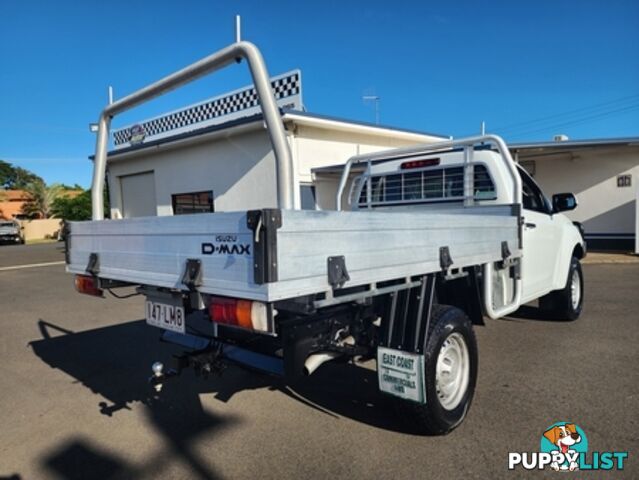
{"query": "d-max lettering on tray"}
(226, 249)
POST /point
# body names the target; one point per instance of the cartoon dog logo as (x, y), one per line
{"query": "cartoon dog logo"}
(564, 437)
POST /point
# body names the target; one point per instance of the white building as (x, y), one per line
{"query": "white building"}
(216, 155)
(603, 174)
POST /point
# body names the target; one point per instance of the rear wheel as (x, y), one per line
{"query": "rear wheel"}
(566, 303)
(450, 361)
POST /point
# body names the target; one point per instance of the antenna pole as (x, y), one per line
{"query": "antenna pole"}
(238, 28)
(373, 98)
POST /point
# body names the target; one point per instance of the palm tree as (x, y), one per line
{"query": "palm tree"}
(41, 199)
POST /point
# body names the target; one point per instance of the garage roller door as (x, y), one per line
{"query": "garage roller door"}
(138, 195)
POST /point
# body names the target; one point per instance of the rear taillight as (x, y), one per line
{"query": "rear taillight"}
(239, 313)
(88, 284)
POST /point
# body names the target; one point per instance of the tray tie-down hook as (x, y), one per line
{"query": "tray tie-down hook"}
(337, 272)
(192, 276)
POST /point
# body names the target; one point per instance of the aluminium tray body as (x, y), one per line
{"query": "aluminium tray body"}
(377, 245)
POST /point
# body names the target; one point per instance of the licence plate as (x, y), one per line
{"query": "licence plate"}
(401, 374)
(163, 315)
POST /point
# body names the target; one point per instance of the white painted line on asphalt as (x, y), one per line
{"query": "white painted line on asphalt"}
(31, 265)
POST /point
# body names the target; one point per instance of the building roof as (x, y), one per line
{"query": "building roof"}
(316, 118)
(574, 144)
(294, 116)
(338, 169)
(11, 202)
(13, 195)
(532, 148)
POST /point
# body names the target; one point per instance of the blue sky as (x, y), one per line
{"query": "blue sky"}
(529, 69)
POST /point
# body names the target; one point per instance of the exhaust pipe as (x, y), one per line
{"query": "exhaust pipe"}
(314, 361)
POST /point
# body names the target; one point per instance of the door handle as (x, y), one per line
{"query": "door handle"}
(530, 225)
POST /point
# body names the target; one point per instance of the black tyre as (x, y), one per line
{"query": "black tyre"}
(567, 303)
(450, 361)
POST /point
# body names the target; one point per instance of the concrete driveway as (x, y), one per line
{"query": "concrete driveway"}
(74, 403)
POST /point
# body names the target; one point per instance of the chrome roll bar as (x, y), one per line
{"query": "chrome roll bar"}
(213, 62)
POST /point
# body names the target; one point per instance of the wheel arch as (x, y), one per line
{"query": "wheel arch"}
(463, 293)
(571, 245)
(579, 251)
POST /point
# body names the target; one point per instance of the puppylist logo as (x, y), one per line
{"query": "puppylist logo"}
(564, 448)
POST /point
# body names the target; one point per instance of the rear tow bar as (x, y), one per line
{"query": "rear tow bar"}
(210, 357)
(208, 361)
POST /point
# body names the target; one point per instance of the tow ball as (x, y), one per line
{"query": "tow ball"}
(160, 376)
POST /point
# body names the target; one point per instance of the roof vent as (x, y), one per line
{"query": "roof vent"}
(560, 138)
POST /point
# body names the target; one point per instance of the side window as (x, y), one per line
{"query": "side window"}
(196, 202)
(532, 197)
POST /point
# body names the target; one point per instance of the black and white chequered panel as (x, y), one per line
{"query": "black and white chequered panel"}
(282, 88)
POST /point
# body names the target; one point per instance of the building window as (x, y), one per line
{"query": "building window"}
(307, 197)
(196, 202)
(624, 181)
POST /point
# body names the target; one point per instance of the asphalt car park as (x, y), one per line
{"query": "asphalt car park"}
(74, 402)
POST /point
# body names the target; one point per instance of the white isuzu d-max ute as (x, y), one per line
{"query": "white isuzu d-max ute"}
(434, 238)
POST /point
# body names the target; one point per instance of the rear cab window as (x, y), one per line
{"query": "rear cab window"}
(432, 185)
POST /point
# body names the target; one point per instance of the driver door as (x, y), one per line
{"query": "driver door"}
(540, 247)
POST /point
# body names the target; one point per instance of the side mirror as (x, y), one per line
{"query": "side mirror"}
(562, 202)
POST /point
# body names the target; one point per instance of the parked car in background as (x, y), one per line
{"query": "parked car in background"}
(10, 231)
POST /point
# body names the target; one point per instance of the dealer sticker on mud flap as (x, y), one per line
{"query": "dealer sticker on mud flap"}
(401, 374)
